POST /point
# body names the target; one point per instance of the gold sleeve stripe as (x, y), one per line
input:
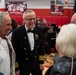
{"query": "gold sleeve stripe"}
(16, 65)
(41, 57)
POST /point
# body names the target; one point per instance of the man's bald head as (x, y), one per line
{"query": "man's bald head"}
(73, 19)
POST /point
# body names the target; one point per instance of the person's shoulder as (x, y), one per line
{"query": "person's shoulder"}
(62, 67)
(19, 29)
(1, 73)
(38, 28)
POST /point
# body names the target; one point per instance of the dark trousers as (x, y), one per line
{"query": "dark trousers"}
(32, 68)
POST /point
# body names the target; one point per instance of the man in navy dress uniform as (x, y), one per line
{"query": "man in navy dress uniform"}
(28, 44)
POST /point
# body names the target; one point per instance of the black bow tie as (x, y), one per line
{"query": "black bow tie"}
(30, 31)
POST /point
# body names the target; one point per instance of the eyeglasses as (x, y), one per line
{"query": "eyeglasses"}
(30, 19)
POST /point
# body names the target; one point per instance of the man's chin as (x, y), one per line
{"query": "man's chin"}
(32, 27)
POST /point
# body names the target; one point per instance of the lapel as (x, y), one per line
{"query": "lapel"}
(36, 37)
(11, 46)
(25, 38)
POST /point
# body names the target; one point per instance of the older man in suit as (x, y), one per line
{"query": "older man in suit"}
(7, 54)
(28, 44)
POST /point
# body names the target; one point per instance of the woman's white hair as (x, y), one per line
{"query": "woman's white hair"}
(66, 40)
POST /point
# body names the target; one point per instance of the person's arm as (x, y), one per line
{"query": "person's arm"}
(41, 50)
(15, 46)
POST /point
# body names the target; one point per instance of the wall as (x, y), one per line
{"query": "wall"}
(46, 12)
(38, 4)
(42, 9)
(2, 5)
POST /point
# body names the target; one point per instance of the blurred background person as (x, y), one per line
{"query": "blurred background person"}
(38, 21)
(9, 6)
(44, 22)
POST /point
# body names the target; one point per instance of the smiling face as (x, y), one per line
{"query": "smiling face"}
(30, 19)
(5, 28)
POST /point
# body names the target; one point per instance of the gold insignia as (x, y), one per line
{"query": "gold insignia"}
(16, 65)
(41, 57)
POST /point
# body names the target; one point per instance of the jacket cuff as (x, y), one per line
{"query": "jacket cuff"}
(16, 66)
(41, 59)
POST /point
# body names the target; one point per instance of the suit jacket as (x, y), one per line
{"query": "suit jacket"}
(62, 66)
(5, 58)
(1, 73)
(24, 55)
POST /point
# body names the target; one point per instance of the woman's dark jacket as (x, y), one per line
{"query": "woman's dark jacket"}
(62, 66)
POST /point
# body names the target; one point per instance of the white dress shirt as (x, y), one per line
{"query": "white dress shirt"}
(30, 38)
(5, 59)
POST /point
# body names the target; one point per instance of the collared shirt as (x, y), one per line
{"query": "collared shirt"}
(30, 38)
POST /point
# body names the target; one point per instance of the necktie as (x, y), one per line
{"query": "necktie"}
(10, 51)
(30, 31)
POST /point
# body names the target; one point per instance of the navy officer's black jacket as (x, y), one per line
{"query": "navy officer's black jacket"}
(24, 56)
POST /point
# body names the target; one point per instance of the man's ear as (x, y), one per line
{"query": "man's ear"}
(57, 47)
(23, 21)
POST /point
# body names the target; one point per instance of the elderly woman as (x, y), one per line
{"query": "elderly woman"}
(66, 47)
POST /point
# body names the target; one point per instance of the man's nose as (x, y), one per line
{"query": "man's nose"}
(33, 20)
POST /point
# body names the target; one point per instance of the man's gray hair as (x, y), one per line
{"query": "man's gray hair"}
(2, 16)
(27, 11)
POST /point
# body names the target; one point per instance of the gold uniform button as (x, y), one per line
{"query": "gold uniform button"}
(26, 58)
(24, 48)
